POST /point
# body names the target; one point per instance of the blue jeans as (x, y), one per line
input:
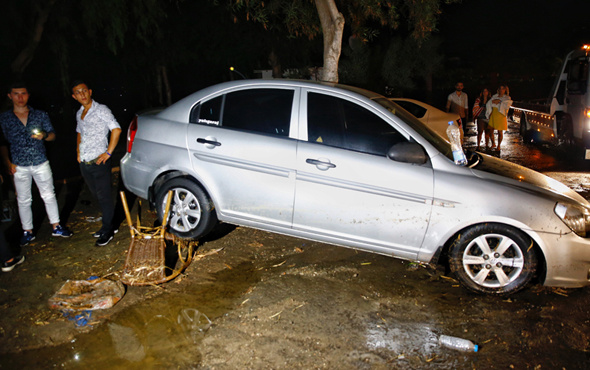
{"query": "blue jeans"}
(98, 179)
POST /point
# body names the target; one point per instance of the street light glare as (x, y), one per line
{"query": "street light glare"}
(232, 69)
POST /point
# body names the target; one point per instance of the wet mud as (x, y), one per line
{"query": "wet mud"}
(281, 302)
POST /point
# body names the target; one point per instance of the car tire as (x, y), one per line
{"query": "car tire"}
(493, 259)
(525, 132)
(565, 129)
(192, 213)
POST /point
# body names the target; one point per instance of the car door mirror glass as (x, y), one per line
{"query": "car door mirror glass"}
(408, 152)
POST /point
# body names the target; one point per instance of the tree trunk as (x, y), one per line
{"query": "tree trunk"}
(159, 88)
(332, 28)
(273, 60)
(167, 89)
(428, 86)
(24, 58)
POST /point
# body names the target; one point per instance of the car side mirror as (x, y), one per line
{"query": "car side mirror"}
(408, 153)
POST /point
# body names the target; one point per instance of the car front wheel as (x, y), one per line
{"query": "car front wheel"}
(493, 259)
(191, 214)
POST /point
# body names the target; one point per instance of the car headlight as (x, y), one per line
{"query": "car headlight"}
(575, 217)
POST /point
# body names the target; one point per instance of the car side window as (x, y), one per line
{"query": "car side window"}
(337, 122)
(266, 111)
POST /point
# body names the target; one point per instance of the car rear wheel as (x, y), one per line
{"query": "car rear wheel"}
(493, 259)
(192, 213)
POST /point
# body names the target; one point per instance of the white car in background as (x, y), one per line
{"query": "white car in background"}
(432, 117)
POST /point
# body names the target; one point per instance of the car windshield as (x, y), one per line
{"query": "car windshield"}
(426, 132)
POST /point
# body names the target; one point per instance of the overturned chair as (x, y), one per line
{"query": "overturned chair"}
(146, 259)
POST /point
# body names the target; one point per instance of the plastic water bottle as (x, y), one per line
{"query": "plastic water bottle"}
(454, 135)
(457, 343)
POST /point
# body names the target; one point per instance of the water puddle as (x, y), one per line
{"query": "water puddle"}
(161, 332)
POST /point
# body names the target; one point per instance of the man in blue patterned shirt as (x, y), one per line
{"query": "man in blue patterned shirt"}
(95, 122)
(25, 129)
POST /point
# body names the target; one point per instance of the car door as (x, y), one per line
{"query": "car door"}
(347, 190)
(240, 147)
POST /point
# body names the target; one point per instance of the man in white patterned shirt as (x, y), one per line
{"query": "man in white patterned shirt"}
(94, 122)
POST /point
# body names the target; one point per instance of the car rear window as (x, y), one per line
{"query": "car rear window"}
(260, 110)
(416, 110)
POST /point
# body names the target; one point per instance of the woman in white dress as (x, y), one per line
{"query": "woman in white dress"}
(496, 111)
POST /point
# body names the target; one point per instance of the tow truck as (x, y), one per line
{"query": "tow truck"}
(564, 117)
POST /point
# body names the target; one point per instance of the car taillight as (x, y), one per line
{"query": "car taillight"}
(131, 134)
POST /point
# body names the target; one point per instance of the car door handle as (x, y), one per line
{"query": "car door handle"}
(209, 142)
(322, 165)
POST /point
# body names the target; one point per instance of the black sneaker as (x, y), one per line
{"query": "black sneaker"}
(98, 233)
(104, 239)
(8, 266)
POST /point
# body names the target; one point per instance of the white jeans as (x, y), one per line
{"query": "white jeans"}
(23, 182)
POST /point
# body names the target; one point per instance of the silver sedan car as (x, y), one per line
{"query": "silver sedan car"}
(346, 166)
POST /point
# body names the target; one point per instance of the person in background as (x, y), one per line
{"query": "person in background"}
(94, 123)
(479, 115)
(496, 111)
(457, 102)
(25, 130)
(8, 259)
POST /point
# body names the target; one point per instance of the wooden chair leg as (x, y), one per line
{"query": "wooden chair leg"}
(166, 211)
(127, 214)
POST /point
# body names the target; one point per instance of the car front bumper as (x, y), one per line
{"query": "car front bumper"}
(568, 260)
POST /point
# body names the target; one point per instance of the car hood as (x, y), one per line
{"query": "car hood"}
(495, 169)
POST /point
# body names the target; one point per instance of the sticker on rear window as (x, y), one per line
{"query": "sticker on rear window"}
(208, 122)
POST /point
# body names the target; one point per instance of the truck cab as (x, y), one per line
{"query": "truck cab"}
(563, 118)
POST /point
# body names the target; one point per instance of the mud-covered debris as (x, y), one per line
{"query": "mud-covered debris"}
(449, 278)
(208, 253)
(87, 295)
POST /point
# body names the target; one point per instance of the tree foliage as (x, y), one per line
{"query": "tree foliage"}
(408, 62)
(302, 18)
(116, 21)
(26, 23)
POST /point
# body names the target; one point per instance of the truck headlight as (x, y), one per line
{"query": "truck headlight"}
(575, 217)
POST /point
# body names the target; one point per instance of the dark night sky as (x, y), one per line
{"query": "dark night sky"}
(515, 38)
(485, 42)
(516, 26)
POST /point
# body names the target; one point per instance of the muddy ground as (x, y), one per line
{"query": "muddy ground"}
(279, 302)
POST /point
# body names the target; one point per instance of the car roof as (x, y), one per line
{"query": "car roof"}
(184, 105)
